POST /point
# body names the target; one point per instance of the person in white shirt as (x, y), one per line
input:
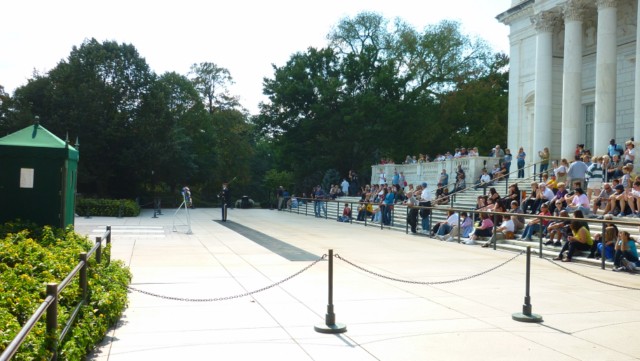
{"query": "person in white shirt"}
(445, 227)
(578, 200)
(345, 187)
(506, 230)
(629, 153)
(545, 195)
(633, 199)
(485, 179)
(425, 213)
(382, 178)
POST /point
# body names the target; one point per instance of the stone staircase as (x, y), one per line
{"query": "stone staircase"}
(467, 200)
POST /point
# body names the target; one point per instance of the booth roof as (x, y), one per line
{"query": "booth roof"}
(34, 136)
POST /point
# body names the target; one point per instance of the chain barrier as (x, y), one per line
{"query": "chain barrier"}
(590, 278)
(428, 283)
(185, 299)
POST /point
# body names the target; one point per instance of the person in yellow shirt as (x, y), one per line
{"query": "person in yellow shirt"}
(580, 240)
(552, 183)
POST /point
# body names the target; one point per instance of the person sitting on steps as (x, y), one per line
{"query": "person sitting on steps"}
(504, 231)
(580, 240)
(484, 230)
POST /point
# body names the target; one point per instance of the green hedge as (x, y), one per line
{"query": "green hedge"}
(107, 207)
(29, 259)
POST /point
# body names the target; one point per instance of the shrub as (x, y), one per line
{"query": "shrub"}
(28, 264)
(107, 207)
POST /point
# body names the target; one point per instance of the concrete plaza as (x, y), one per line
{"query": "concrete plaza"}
(386, 319)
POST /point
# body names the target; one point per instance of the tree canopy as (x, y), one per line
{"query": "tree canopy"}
(383, 90)
(138, 132)
(379, 88)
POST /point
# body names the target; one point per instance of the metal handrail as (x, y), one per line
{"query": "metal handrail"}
(494, 214)
(50, 304)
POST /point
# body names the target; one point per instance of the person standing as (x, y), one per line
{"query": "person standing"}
(444, 179)
(498, 153)
(614, 149)
(520, 158)
(280, 196)
(412, 215)
(544, 160)
(508, 157)
(425, 213)
(225, 196)
(577, 172)
(345, 187)
(353, 183)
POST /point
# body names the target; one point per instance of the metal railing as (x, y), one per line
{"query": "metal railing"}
(471, 213)
(50, 304)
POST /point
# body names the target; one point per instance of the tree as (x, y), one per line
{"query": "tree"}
(233, 148)
(139, 132)
(177, 131)
(95, 95)
(476, 113)
(375, 90)
(212, 83)
(5, 101)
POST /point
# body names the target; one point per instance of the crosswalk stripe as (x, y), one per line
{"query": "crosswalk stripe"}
(131, 231)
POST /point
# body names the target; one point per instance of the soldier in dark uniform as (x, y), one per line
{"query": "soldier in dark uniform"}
(225, 196)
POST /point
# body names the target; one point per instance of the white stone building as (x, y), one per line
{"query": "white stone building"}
(574, 78)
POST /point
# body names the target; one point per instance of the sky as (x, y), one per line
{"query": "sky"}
(245, 36)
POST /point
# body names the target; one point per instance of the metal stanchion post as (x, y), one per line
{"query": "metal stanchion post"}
(603, 243)
(526, 315)
(495, 238)
(52, 321)
(541, 233)
(330, 325)
(406, 226)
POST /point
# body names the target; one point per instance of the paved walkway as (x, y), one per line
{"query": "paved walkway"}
(386, 319)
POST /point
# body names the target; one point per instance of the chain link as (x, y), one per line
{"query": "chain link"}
(185, 299)
(427, 283)
(591, 278)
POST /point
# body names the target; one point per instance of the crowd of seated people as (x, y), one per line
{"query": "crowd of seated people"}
(593, 186)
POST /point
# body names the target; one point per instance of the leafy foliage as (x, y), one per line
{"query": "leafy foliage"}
(379, 88)
(107, 207)
(382, 91)
(28, 264)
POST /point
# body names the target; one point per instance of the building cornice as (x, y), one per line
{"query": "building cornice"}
(522, 10)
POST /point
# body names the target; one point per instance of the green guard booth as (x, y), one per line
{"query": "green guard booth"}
(38, 173)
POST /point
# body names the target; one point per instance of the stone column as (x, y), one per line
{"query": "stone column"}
(544, 23)
(606, 77)
(572, 78)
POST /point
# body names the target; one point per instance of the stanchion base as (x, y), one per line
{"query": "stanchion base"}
(521, 317)
(336, 328)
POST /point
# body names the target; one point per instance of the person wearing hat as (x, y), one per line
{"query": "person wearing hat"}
(225, 196)
(425, 201)
(629, 153)
(412, 216)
